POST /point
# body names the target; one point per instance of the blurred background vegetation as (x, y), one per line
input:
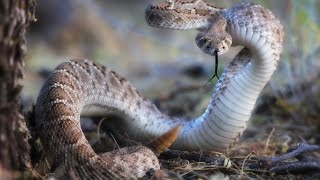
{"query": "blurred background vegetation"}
(156, 61)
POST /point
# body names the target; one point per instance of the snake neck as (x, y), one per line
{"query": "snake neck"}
(236, 92)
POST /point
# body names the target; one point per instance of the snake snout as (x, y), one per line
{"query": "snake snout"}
(224, 45)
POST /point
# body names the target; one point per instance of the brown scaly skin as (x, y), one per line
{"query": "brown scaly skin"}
(58, 121)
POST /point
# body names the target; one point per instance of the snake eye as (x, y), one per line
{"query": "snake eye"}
(202, 42)
(151, 172)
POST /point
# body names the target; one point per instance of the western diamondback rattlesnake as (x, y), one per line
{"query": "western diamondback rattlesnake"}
(81, 85)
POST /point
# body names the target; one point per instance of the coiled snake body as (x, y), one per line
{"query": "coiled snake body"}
(81, 85)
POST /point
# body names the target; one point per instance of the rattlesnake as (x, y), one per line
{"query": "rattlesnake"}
(81, 85)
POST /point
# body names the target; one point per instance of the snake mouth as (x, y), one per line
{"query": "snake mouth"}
(218, 52)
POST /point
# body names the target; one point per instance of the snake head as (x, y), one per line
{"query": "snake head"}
(209, 43)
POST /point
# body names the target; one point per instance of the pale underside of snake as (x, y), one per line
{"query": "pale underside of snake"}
(82, 86)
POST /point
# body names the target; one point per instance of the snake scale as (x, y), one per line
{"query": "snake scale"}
(82, 86)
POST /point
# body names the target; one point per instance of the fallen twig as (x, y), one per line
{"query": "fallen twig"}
(192, 156)
(301, 165)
